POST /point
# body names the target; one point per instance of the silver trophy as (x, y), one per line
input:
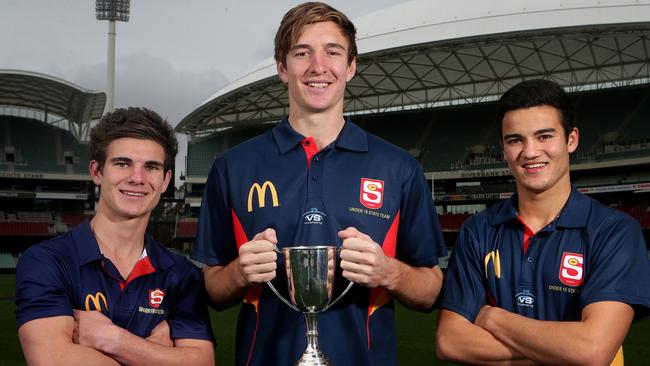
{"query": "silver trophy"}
(310, 278)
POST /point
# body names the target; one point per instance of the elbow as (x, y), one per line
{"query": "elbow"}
(594, 354)
(445, 347)
(600, 355)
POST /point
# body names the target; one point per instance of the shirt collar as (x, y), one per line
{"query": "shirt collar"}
(574, 214)
(86, 243)
(576, 211)
(506, 211)
(88, 248)
(351, 137)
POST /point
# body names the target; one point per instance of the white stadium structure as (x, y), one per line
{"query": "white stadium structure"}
(427, 79)
(428, 75)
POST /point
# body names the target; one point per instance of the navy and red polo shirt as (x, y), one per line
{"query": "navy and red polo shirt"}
(280, 180)
(589, 253)
(69, 272)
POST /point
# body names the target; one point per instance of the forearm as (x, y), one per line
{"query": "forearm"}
(66, 354)
(415, 287)
(130, 349)
(560, 343)
(458, 340)
(225, 284)
(48, 341)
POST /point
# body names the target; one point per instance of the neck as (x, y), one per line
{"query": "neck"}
(539, 209)
(323, 127)
(122, 241)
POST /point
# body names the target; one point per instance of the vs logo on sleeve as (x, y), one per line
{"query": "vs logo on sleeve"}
(571, 269)
(372, 193)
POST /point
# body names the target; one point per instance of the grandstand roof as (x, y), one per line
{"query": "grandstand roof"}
(53, 96)
(423, 54)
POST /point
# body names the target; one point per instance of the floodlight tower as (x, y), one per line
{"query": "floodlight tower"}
(111, 10)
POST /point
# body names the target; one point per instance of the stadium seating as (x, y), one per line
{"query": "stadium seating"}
(23, 134)
(71, 218)
(7, 260)
(26, 229)
(404, 129)
(186, 228)
(201, 152)
(452, 222)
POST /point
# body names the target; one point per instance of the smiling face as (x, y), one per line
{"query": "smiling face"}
(317, 69)
(536, 149)
(132, 178)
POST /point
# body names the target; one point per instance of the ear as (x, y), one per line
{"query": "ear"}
(572, 142)
(95, 172)
(352, 69)
(282, 72)
(168, 177)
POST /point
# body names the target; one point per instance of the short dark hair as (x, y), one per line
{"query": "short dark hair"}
(297, 18)
(537, 92)
(133, 122)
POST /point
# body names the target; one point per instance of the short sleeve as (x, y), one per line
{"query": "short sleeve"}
(215, 242)
(42, 288)
(619, 268)
(189, 316)
(419, 238)
(463, 290)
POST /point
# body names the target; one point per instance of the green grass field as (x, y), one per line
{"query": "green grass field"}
(415, 335)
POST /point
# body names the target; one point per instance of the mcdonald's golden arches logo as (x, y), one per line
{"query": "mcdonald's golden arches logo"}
(496, 262)
(261, 195)
(95, 300)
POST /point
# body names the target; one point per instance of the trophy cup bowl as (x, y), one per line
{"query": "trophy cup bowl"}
(310, 279)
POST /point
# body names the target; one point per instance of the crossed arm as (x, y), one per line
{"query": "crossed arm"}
(362, 261)
(500, 337)
(90, 338)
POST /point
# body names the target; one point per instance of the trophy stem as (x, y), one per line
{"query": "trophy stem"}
(312, 355)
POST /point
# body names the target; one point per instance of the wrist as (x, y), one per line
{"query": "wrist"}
(392, 275)
(240, 278)
(111, 342)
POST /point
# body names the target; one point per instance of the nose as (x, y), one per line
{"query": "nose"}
(317, 64)
(137, 174)
(530, 149)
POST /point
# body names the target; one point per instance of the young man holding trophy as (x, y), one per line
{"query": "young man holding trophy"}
(316, 179)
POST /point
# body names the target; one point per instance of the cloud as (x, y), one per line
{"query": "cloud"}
(147, 81)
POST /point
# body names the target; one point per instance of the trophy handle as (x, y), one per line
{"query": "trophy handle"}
(340, 296)
(338, 251)
(281, 297)
(275, 248)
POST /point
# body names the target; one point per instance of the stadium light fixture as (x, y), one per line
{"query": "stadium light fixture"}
(111, 10)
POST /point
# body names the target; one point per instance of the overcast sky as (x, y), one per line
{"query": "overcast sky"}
(171, 55)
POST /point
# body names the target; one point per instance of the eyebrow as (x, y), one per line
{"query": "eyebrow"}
(123, 159)
(536, 133)
(328, 45)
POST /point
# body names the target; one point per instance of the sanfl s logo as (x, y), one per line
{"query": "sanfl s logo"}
(372, 193)
(571, 269)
